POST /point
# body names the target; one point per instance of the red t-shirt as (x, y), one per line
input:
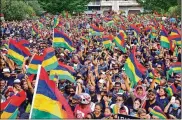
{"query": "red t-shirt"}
(82, 112)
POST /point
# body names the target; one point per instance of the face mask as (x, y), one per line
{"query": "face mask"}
(175, 105)
(92, 92)
(106, 115)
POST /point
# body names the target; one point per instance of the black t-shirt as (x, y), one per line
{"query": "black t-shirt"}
(99, 117)
(176, 113)
(152, 105)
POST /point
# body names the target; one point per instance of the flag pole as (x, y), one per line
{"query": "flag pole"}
(35, 90)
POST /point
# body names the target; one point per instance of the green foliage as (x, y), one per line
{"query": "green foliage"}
(20, 9)
(16, 10)
(36, 7)
(57, 6)
(157, 5)
(174, 11)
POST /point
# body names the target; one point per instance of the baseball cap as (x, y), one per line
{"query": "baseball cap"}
(17, 81)
(102, 81)
(6, 70)
(152, 91)
(76, 97)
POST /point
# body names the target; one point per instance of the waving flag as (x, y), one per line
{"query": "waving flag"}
(50, 60)
(175, 31)
(33, 66)
(176, 38)
(107, 41)
(120, 42)
(62, 40)
(136, 29)
(48, 102)
(164, 41)
(156, 111)
(62, 72)
(11, 105)
(17, 52)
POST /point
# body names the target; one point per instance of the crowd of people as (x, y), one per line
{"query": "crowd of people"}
(102, 89)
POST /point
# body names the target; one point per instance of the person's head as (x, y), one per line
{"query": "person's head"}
(119, 99)
(89, 116)
(17, 84)
(151, 95)
(24, 85)
(142, 114)
(123, 110)
(101, 83)
(98, 108)
(72, 91)
(92, 90)
(177, 103)
(137, 103)
(33, 83)
(85, 98)
(2, 83)
(177, 79)
(117, 86)
(6, 72)
(107, 111)
(140, 92)
(162, 91)
(159, 67)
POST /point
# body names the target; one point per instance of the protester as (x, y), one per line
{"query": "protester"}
(103, 79)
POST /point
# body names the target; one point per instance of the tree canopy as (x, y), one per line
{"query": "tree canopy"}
(158, 5)
(57, 6)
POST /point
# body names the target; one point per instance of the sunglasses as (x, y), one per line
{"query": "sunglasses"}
(151, 94)
(119, 100)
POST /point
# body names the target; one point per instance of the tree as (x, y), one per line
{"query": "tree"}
(36, 6)
(157, 5)
(16, 10)
(57, 6)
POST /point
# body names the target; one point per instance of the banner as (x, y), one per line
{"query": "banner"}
(120, 116)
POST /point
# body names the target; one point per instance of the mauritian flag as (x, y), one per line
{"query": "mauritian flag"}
(107, 41)
(120, 42)
(11, 105)
(48, 101)
(33, 66)
(131, 70)
(174, 68)
(156, 111)
(176, 38)
(61, 40)
(164, 41)
(17, 52)
(63, 72)
(175, 31)
(136, 29)
(49, 59)
(96, 30)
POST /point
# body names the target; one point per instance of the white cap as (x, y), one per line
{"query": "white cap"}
(17, 81)
(6, 70)
(80, 81)
(102, 81)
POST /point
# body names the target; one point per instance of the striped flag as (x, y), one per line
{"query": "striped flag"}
(64, 72)
(61, 40)
(50, 104)
(17, 53)
(33, 66)
(120, 42)
(49, 59)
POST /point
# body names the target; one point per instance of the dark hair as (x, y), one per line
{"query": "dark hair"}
(138, 99)
(99, 104)
(109, 109)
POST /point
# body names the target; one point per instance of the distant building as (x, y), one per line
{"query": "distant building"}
(127, 6)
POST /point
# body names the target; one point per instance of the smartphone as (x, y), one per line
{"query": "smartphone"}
(173, 99)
